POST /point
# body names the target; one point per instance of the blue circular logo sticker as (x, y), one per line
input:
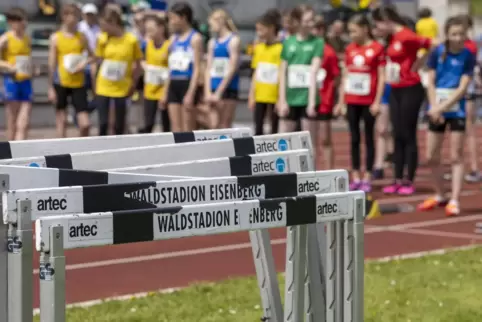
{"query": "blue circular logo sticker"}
(282, 145)
(223, 137)
(280, 165)
(34, 165)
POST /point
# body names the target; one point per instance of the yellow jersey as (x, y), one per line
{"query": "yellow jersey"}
(18, 53)
(70, 49)
(114, 77)
(156, 70)
(266, 63)
(428, 28)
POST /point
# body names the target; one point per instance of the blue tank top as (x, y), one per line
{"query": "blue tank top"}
(220, 65)
(449, 69)
(181, 57)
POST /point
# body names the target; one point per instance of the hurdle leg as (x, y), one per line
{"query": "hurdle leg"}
(295, 273)
(358, 242)
(266, 275)
(20, 266)
(4, 186)
(314, 293)
(52, 279)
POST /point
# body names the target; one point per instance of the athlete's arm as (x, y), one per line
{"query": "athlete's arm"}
(234, 49)
(313, 89)
(136, 65)
(3, 44)
(209, 64)
(90, 55)
(197, 47)
(381, 78)
(52, 59)
(282, 82)
(432, 66)
(464, 83)
(252, 86)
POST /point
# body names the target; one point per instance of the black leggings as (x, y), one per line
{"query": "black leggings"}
(120, 108)
(259, 114)
(355, 113)
(150, 111)
(405, 104)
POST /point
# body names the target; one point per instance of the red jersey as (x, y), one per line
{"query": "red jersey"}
(362, 64)
(401, 54)
(329, 70)
(471, 45)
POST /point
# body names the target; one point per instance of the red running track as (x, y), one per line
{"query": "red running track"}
(101, 272)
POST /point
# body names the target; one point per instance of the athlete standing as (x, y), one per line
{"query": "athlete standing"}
(263, 93)
(16, 60)
(119, 59)
(185, 59)
(298, 93)
(67, 77)
(221, 85)
(451, 67)
(328, 79)
(407, 94)
(362, 89)
(156, 72)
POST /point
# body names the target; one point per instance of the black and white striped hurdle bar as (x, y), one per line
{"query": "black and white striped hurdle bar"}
(154, 194)
(54, 234)
(145, 155)
(32, 148)
(18, 177)
(254, 164)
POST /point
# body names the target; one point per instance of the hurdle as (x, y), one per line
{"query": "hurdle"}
(110, 228)
(32, 148)
(56, 201)
(105, 159)
(280, 162)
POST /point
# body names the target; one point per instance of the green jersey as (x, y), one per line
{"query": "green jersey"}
(298, 54)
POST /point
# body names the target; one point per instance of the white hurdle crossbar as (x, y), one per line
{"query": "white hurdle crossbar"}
(32, 148)
(129, 196)
(52, 235)
(106, 159)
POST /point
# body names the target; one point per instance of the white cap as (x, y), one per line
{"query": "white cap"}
(90, 8)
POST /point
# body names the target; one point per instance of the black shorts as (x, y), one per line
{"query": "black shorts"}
(78, 98)
(230, 94)
(178, 89)
(470, 97)
(299, 112)
(455, 124)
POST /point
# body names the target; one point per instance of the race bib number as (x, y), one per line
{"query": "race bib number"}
(180, 61)
(155, 75)
(220, 67)
(392, 73)
(113, 71)
(267, 73)
(299, 76)
(443, 94)
(71, 62)
(23, 65)
(320, 77)
(358, 84)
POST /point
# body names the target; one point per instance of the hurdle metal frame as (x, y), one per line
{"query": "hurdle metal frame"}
(52, 275)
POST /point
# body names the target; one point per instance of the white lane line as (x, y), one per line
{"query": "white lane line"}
(439, 233)
(440, 251)
(233, 247)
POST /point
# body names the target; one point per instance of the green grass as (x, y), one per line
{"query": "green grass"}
(430, 289)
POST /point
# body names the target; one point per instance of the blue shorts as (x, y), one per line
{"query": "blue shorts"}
(17, 91)
(386, 94)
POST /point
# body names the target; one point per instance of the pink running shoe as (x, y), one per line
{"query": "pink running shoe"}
(392, 189)
(406, 189)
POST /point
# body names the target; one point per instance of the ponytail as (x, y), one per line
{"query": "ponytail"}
(230, 24)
